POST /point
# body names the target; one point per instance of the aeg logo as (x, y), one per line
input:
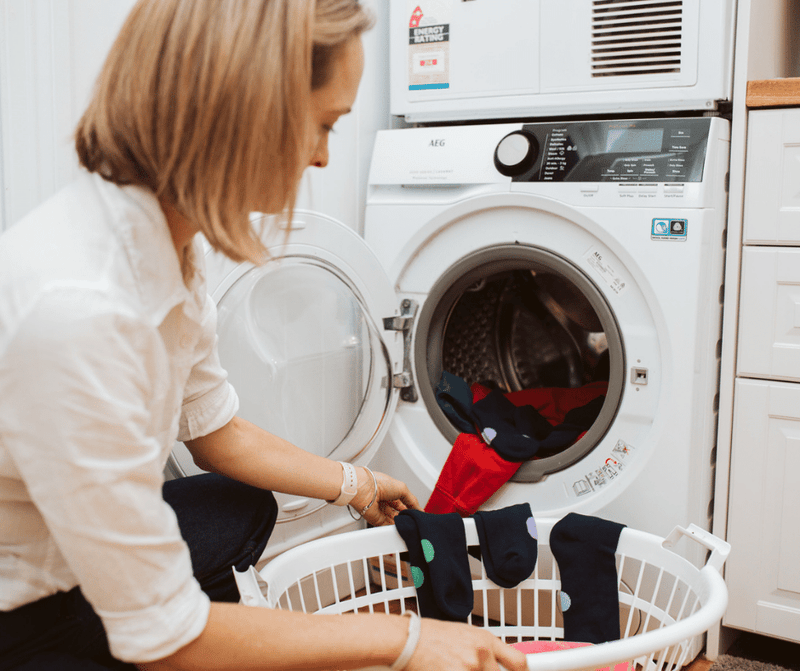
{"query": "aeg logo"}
(436, 143)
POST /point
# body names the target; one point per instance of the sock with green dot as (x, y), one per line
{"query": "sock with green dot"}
(437, 549)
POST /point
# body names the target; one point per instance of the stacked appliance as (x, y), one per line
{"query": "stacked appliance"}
(583, 242)
(490, 59)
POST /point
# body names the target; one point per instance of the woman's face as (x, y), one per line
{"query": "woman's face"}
(335, 98)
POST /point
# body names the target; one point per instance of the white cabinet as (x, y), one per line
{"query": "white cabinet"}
(763, 571)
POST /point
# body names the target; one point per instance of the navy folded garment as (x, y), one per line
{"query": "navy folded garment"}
(518, 433)
(514, 433)
(455, 399)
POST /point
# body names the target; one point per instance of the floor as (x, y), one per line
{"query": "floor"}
(700, 664)
(760, 648)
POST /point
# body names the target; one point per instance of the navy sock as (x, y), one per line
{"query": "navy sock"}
(514, 433)
(455, 399)
(437, 550)
(585, 548)
(509, 543)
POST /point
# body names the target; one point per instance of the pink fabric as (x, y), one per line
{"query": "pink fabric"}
(530, 647)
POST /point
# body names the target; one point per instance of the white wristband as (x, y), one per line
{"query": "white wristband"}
(414, 626)
(349, 485)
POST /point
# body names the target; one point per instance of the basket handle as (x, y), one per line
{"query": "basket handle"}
(719, 548)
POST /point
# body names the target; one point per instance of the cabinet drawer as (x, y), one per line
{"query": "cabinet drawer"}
(769, 314)
(772, 186)
(763, 571)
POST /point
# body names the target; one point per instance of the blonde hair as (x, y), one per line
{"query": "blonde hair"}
(205, 102)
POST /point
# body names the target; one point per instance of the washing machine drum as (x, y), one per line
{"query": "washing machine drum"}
(522, 318)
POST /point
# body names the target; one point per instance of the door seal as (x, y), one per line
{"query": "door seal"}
(404, 322)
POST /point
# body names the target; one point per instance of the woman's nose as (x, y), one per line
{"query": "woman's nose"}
(320, 157)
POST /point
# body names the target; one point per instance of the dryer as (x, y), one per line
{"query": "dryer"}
(521, 255)
(455, 60)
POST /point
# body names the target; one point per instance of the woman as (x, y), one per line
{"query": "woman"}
(204, 111)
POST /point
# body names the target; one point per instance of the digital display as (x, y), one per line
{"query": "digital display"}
(634, 140)
(640, 151)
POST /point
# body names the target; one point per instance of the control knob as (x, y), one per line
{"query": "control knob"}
(516, 153)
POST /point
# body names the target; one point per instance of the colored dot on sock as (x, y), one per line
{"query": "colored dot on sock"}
(427, 550)
(418, 575)
(566, 602)
(532, 530)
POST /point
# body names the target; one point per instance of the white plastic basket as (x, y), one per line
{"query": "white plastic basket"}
(666, 603)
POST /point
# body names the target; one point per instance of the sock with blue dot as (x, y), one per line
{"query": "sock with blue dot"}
(509, 543)
(585, 549)
(437, 550)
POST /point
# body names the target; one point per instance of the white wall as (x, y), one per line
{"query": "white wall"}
(50, 54)
(340, 189)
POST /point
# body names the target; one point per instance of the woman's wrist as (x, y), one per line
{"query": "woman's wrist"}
(412, 640)
(349, 487)
(365, 489)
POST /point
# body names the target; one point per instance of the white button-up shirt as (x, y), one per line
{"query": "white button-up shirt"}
(106, 358)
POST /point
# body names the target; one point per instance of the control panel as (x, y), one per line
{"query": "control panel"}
(631, 152)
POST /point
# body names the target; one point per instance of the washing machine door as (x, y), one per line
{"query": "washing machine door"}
(301, 337)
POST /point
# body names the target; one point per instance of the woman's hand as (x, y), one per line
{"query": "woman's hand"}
(392, 497)
(460, 647)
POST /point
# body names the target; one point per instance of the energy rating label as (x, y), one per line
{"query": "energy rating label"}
(674, 230)
(429, 45)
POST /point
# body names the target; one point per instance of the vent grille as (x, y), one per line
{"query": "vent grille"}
(636, 37)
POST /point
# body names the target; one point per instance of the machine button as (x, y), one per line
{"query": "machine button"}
(673, 188)
(516, 153)
(590, 188)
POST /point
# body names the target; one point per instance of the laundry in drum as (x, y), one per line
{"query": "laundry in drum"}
(474, 471)
(514, 428)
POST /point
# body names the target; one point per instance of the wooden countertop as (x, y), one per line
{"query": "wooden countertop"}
(774, 92)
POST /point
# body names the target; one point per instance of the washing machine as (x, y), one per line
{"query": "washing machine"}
(515, 255)
(555, 255)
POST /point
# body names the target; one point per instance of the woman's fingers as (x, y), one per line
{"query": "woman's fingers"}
(448, 646)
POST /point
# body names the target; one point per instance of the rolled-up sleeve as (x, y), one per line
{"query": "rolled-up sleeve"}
(85, 414)
(210, 401)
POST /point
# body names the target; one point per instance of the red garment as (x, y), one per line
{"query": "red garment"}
(471, 474)
(474, 471)
(552, 403)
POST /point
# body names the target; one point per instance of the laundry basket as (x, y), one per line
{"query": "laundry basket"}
(666, 603)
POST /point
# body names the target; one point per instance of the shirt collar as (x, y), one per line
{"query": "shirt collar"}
(142, 229)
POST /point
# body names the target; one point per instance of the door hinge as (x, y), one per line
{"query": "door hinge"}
(404, 322)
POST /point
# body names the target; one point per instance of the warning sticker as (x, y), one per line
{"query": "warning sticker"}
(608, 472)
(606, 271)
(674, 230)
(429, 45)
